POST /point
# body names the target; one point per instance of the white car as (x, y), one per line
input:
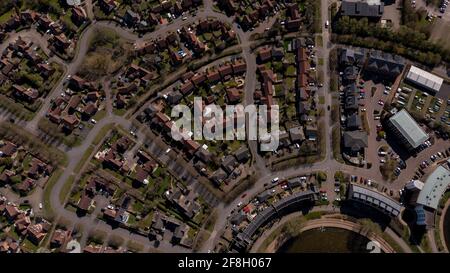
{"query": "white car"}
(168, 150)
(239, 204)
(40, 205)
(93, 121)
(327, 23)
(275, 180)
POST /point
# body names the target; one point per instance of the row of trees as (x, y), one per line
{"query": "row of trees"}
(406, 41)
(428, 58)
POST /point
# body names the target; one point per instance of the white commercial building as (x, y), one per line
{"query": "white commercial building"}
(435, 186)
(424, 79)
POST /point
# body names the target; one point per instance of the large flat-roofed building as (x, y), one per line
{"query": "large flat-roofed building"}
(435, 186)
(406, 129)
(424, 79)
(372, 9)
(374, 199)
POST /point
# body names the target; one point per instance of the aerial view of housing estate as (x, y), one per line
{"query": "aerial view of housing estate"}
(221, 126)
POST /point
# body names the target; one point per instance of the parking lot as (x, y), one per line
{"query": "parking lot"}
(430, 107)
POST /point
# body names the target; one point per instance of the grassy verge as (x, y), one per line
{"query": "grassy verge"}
(288, 230)
(84, 159)
(209, 224)
(425, 245)
(135, 247)
(319, 41)
(397, 248)
(119, 112)
(365, 122)
(202, 237)
(48, 211)
(102, 133)
(321, 99)
(336, 143)
(66, 188)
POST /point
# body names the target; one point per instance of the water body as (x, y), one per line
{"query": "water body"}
(447, 228)
(326, 240)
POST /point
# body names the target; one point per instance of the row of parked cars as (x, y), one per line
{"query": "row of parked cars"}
(433, 158)
(443, 6)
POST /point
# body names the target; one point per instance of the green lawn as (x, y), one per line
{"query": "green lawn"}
(137, 206)
(147, 221)
(291, 71)
(164, 185)
(119, 112)
(5, 17)
(99, 115)
(13, 234)
(29, 246)
(26, 162)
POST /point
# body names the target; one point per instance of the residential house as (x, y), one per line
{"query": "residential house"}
(131, 18)
(229, 163)
(242, 154)
(107, 6)
(355, 142)
(78, 15)
(27, 94)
